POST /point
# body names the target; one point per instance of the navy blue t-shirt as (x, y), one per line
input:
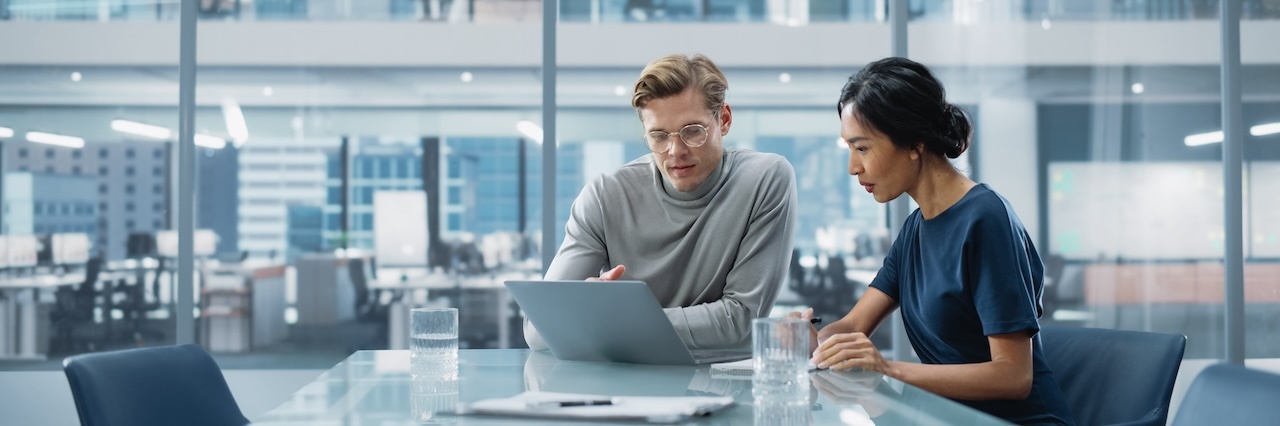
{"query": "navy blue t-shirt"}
(969, 273)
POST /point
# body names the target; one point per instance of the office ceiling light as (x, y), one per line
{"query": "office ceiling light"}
(140, 129)
(530, 130)
(6, 132)
(53, 139)
(620, 90)
(268, 91)
(1259, 130)
(466, 77)
(1137, 88)
(784, 77)
(213, 142)
(234, 117)
(1203, 138)
(75, 76)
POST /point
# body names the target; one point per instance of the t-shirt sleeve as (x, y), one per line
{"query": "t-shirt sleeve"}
(1005, 275)
(886, 279)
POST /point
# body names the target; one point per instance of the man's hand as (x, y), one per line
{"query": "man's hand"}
(813, 331)
(611, 275)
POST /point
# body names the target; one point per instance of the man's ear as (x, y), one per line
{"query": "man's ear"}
(726, 119)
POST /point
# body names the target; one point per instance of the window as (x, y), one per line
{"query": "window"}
(128, 207)
(128, 153)
(128, 189)
(158, 224)
(128, 225)
(366, 167)
(37, 207)
(366, 221)
(102, 170)
(332, 164)
(102, 207)
(159, 153)
(75, 154)
(332, 222)
(22, 153)
(335, 195)
(102, 188)
(157, 171)
(384, 168)
(128, 171)
(158, 207)
(455, 221)
(75, 170)
(48, 169)
(455, 195)
(157, 189)
(48, 153)
(102, 153)
(366, 195)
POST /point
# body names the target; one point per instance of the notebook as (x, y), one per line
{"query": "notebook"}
(599, 407)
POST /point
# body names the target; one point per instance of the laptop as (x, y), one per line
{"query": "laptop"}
(616, 321)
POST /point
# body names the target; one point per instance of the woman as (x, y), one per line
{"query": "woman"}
(963, 268)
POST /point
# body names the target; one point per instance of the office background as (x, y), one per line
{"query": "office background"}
(1094, 118)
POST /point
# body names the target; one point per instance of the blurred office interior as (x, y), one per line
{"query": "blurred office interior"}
(358, 158)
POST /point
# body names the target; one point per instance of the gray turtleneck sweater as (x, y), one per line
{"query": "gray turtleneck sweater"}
(715, 257)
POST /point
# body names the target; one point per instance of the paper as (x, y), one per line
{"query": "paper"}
(649, 409)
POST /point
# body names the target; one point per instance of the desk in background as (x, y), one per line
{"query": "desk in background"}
(19, 312)
(417, 290)
(375, 388)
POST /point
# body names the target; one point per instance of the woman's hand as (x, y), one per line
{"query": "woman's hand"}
(813, 331)
(847, 351)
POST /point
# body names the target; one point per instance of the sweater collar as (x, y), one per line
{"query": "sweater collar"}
(712, 182)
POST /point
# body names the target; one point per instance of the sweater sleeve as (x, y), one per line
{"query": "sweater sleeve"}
(583, 253)
(758, 270)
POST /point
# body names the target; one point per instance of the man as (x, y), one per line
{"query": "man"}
(709, 229)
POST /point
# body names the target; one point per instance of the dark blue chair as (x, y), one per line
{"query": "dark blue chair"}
(169, 385)
(1228, 394)
(1114, 377)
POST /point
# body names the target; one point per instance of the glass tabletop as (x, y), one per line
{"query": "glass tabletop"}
(375, 388)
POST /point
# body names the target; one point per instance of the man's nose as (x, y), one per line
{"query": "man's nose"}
(677, 146)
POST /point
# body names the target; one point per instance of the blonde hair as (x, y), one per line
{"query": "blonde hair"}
(673, 74)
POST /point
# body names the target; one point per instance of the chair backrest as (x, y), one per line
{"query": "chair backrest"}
(1114, 376)
(1228, 394)
(167, 385)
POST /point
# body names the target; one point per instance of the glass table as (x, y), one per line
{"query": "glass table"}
(376, 388)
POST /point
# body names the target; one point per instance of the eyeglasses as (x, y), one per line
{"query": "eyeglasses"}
(693, 136)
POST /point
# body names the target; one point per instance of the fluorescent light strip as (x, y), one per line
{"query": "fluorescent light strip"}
(1203, 138)
(234, 117)
(52, 139)
(210, 141)
(530, 130)
(6, 132)
(1265, 129)
(140, 129)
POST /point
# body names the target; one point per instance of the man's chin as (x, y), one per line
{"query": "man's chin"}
(683, 185)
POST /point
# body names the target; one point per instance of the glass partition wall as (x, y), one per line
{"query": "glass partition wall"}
(1095, 119)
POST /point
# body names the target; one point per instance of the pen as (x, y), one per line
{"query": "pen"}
(815, 320)
(576, 403)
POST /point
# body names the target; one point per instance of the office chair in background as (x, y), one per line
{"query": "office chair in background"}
(168, 385)
(1114, 376)
(72, 309)
(1228, 394)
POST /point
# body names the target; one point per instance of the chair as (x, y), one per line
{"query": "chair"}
(1228, 394)
(168, 385)
(72, 309)
(1114, 376)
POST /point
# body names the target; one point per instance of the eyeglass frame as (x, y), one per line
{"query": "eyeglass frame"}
(678, 133)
